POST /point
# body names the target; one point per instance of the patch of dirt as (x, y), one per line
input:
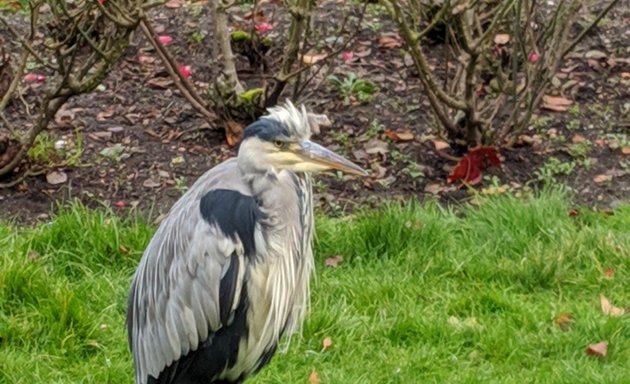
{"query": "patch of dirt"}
(141, 143)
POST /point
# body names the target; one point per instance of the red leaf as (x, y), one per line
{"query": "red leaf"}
(470, 166)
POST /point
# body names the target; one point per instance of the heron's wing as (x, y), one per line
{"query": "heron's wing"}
(188, 284)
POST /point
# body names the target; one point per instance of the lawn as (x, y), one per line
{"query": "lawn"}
(505, 291)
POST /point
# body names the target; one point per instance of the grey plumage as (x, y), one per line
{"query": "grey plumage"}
(227, 272)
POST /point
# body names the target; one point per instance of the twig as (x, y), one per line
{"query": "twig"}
(20, 179)
(28, 46)
(586, 30)
(421, 61)
(171, 67)
(17, 77)
(9, 126)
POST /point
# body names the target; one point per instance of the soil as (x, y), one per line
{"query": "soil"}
(141, 143)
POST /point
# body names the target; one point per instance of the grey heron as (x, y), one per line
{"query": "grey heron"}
(226, 274)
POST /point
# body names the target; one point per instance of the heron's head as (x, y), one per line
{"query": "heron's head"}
(281, 141)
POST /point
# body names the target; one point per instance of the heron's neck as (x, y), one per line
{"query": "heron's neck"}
(282, 193)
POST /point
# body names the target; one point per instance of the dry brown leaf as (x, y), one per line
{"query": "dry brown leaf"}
(333, 261)
(105, 115)
(501, 38)
(563, 320)
(595, 54)
(578, 138)
(312, 59)
(598, 350)
(233, 132)
(32, 256)
(602, 178)
(375, 146)
(625, 150)
(399, 136)
(610, 309)
(326, 343)
(313, 378)
(174, 3)
(433, 189)
(56, 177)
(64, 117)
(150, 183)
(440, 145)
(556, 103)
(390, 41)
(160, 83)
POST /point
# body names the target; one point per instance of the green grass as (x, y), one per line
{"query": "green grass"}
(424, 295)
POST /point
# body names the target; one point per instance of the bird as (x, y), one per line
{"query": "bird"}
(226, 274)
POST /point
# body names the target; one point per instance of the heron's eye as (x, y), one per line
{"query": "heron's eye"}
(279, 144)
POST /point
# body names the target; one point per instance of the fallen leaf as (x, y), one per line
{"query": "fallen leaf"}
(32, 256)
(578, 139)
(185, 70)
(609, 309)
(625, 75)
(313, 378)
(174, 3)
(501, 38)
(165, 39)
(573, 212)
(625, 150)
(595, 54)
(563, 320)
(326, 343)
(598, 350)
(556, 103)
(602, 178)
(34, 77)
(413, 224)
(64, 117)
(609, 273)
(470, 166)
(440, 145)
(233, 132)
(390, 41)
(105, 115)
(124, 250)
(312, 59)
(150, 183)
(56, 177)
(263, 27)
(399, 136)
(433, 189)
(375, 146)
(160, 82)
(333, 261)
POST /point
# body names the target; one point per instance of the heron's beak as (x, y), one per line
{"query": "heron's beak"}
(319, 156)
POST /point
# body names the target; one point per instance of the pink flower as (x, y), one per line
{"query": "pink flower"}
(533, 57)
(34, 77)
(120, 204)
(165, 39)
(346, 56)
(185, 70)
(263, 27)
